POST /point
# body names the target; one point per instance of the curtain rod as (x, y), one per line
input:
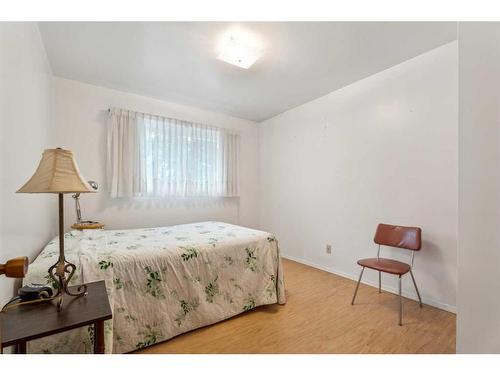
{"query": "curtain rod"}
(234, 131)
(150, 114)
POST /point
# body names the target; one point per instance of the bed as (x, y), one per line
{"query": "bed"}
(165, 281)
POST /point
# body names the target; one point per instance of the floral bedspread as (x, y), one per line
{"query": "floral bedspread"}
(165, 281)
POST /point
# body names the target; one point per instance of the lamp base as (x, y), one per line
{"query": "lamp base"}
(58, 275)
(59, 270)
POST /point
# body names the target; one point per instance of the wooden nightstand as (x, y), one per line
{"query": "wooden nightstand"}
(30, 322)
(82, 226)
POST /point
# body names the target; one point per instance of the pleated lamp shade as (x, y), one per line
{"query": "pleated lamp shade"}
(57, 173)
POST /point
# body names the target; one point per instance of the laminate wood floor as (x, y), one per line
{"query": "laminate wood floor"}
(319, 318)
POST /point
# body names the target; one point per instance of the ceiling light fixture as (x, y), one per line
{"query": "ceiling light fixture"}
(240, 49)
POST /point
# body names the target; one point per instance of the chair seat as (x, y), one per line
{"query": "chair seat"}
(385, 265)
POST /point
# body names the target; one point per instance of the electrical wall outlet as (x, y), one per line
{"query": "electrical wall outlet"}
(328, 249)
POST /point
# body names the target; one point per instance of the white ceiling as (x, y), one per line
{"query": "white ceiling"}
(177, 61)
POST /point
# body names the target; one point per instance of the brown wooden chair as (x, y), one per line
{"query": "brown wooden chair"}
(409, 238)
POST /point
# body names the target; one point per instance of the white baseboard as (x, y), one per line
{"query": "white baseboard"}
(413, 296)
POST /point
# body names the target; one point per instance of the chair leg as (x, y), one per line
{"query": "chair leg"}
(357, 286)
(379, 282)
(400, 304)
(418, 293)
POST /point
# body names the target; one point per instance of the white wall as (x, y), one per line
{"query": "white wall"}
(27, 222)
(81, 127)
(478, 323)
(384, 149)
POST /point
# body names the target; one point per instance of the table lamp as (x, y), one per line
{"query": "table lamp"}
(76, 197)
(58, 174)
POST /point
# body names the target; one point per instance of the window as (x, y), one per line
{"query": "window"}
(154, 156)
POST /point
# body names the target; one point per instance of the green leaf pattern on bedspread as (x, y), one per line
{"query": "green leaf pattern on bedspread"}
(165, 281)
(211, 290)
(150, 336)
(153, 284)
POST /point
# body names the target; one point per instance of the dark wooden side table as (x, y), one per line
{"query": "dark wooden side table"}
(29, 322)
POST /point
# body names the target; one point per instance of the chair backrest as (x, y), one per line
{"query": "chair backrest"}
(409, 238)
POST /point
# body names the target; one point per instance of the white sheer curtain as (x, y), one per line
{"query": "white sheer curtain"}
(154, 156)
